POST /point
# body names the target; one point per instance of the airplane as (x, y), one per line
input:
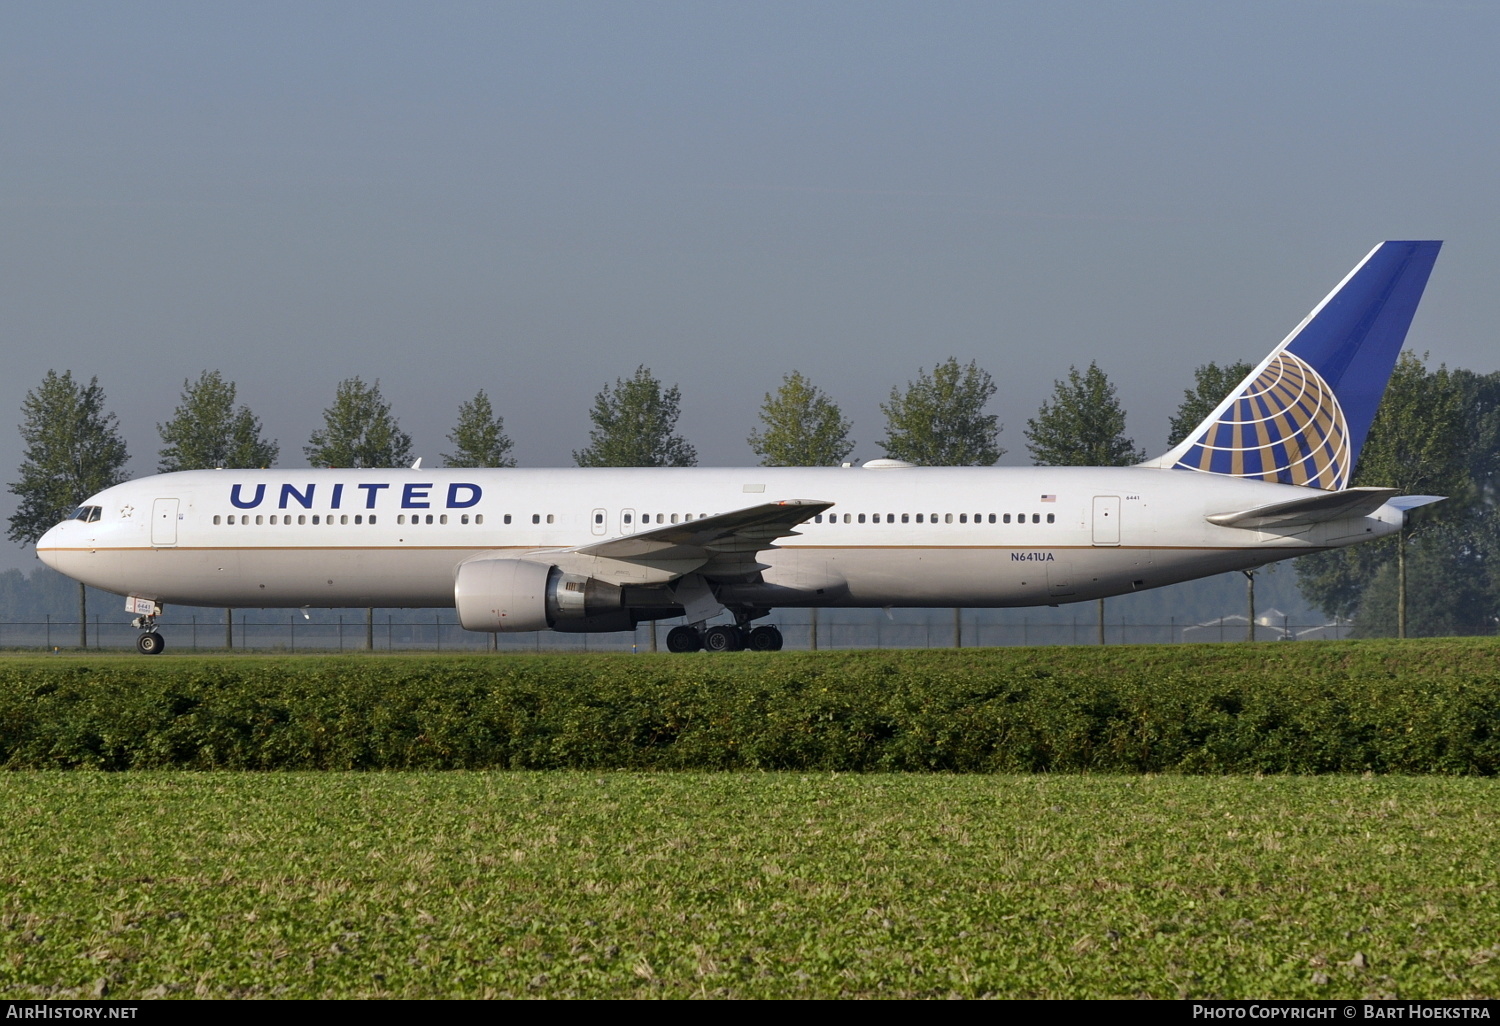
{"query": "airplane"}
(1264, 477)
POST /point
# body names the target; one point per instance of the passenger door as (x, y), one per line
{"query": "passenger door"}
(1106, 520)
(164, 522)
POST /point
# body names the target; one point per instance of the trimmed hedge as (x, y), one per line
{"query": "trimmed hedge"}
(1163, 709)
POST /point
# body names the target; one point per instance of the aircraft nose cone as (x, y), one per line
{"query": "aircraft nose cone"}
(46, 546)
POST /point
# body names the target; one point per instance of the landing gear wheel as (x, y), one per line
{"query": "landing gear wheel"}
(684, 639)
(723, 638)
(150, 643)
(764, 638)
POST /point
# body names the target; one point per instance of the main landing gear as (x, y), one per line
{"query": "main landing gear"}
(150, 642)
(724, 637)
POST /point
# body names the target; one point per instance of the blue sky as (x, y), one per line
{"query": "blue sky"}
(535, 198)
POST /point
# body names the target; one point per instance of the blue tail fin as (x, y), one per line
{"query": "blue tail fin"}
(1301, 417)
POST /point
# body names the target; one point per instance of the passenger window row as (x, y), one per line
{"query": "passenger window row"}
(346, 518)
(441, 518)
(666, 518)
(933, 518)
(302, 518)
(91, 513)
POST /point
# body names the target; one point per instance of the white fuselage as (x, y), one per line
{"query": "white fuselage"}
(893, 537)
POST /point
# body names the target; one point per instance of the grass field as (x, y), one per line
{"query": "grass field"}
(744, 884)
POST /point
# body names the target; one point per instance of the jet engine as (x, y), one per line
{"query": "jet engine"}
(505, 595)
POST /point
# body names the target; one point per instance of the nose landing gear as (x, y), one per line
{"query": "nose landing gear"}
(150, 642)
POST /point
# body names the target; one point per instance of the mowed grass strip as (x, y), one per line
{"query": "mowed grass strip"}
(746, 885)
(1417, 707)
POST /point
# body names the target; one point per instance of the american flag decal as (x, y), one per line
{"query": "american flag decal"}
(1049, 498)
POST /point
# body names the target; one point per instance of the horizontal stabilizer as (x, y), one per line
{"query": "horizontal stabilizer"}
(1315, 509)
(1405, 503)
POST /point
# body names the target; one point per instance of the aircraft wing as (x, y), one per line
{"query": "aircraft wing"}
(720, 546)
(1351, 502)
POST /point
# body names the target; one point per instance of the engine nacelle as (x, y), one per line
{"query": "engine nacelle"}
(507, 595)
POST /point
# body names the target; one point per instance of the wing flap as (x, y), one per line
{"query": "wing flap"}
(722, 545)
(1313, 509)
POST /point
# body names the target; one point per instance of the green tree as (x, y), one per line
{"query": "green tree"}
(1479, 396)
(1082, 426)
(1450, 582)
(1211, 383)
(939, 421)
(207, 430)
(1417, 445)
(479, 438)
(633, 425)
(359, 431)
(73, 449)
(803, 427)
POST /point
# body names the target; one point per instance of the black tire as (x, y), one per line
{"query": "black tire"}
(723, 638)
(764, 638)
(150, 643)
(684, 639)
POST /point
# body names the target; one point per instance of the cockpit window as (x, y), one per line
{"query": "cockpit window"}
(88, 514)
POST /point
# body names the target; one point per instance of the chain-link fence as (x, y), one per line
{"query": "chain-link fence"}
(408, 633)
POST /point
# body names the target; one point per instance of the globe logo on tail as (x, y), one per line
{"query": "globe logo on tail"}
(1286, 427)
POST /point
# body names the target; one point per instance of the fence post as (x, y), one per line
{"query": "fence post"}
(1250, 598)
(291, 623)
(813, 635)
(49, 630)
(228, 628)
(369, 628)
(341, 633)
(958, 627)
(1101, 621)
